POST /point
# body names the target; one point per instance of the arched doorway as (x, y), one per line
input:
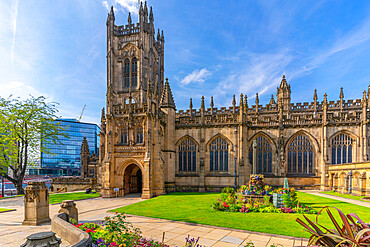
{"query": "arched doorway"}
(133, 179)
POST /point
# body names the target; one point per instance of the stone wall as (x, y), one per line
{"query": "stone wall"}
(339, 178)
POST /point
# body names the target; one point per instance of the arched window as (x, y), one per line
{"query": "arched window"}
(341, 150)
(139, 134)
(134, 72)
(187, 157)
(124, 135)
(301, 155)
(126, 82)
(219, 155)
(264, 155)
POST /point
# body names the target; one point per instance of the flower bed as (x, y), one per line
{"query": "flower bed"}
(116, 231)
(256, 197)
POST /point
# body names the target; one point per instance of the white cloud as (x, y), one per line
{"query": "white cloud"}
(196, 76)
(261, 73)
(19, 89)
(106, 5)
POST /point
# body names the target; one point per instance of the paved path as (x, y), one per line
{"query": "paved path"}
(12, 233)
(356, 202)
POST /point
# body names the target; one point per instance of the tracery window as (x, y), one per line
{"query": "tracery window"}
(134, 72)
(124, 135)
(219, 155)
(187, 156)
(341, 150)
(126, 83)
(264, 155)
(139, 134)
(300, 155)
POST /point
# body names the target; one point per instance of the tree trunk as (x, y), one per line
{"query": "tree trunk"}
(18, 185)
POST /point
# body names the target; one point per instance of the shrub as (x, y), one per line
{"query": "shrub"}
(228, 190)
(350, 231)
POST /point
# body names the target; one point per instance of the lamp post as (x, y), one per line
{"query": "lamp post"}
(350, 182)
(235, 146)
(254, 157)
(2, 187)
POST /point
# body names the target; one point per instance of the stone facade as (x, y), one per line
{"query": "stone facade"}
(146, 145)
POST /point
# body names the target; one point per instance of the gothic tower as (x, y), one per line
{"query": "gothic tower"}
(139, 107)
(134, 57)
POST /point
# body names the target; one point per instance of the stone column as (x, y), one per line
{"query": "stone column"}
(36, 204)
(69, 207)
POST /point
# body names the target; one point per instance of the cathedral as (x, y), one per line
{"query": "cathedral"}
(148, 146)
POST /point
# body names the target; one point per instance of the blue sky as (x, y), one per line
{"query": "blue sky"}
(212, 48)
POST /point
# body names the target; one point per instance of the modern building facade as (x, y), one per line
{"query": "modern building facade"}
(147, 146)
(66, 159)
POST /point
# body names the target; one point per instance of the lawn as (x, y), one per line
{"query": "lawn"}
(10, 196)
(349, 196)
(196, 208)
(58, 198)
(5, 210)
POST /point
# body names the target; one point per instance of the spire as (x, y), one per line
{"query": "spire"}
(111, 14)
(272, 100)
(129, 18)
(85, 147)
(241, 101)
(141, 8)
(257, 100)
(245, 103)
(191, 105)
(283, 83)
(364, 96)
(202, 104)
(145, 12)
(167, 98)
(158, 35)
(212, 104)
(162, 37)
(325, 101)
(151, 18)
(234, 104)
(102, 114)
(315, 96)
(341, 95)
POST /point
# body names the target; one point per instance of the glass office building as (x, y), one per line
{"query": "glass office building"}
(65, 159)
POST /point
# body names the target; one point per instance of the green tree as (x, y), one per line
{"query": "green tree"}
(24, 125)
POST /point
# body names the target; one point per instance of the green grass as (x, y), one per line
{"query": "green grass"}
(10, 196)
(58, 198)
(5, 209)
(349, 196)
(196, 208)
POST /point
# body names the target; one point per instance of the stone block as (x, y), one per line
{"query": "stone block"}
(69, 207)
(36, 204)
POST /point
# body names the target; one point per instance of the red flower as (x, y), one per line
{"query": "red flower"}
(225, 205)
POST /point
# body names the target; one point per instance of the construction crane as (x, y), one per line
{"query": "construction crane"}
(82, 112)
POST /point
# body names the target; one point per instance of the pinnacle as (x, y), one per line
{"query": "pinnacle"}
(167, 98)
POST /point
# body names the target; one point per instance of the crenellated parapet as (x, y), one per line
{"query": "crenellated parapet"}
(282, 112)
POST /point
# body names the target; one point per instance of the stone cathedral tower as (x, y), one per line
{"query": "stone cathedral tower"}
(139, 105)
